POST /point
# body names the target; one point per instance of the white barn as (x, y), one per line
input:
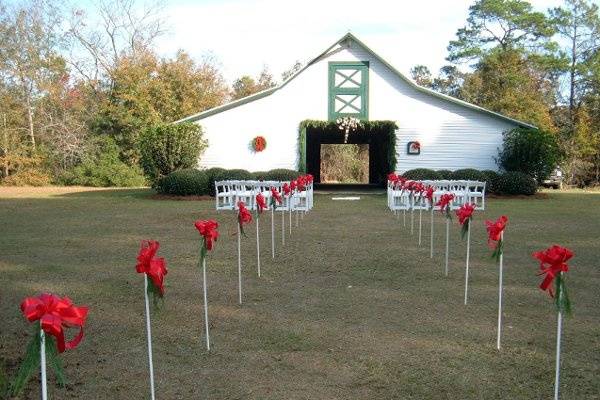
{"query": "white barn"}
(349, 79)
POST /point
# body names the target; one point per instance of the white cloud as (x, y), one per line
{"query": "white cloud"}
(244, 35)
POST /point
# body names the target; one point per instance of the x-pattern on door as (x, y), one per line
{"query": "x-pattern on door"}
(348, 90)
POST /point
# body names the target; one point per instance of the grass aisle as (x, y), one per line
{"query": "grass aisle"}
(350, 309)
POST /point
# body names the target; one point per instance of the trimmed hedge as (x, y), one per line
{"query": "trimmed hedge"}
(422, 174)
(445, 174)
(184, 182)
(514, 182)
(280, 174)
(196, 182)
(509, 183)
(491, 179)
(469, 174)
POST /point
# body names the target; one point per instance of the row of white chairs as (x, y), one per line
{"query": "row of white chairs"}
(472, 192)
(229, 193)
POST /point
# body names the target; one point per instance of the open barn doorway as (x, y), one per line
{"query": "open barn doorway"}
(374, 147)
(344, 163)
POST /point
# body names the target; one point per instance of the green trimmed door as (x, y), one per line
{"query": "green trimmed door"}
(349, 90)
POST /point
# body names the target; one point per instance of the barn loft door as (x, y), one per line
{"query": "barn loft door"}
(348, 90)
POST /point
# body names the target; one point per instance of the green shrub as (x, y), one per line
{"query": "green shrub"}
(236, 174)
(491, 179)
(184, 182)
(445, 174)
(420, 174)
(514, 182)
(101, 167)
(165, 148)
(281, 174)
(531, 151)
(213, 175)
(222, 174)
(28, 177)
(260, 175)
(468, 174)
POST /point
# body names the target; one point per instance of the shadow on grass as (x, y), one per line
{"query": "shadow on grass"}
(137, 193)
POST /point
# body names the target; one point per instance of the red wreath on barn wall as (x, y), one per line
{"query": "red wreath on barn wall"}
(259, 143)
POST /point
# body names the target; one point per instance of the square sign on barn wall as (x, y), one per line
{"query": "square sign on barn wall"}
(413, 148)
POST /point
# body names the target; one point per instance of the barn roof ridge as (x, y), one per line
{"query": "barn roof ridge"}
(349, 37)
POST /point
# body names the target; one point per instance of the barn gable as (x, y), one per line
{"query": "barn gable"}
(349, 77)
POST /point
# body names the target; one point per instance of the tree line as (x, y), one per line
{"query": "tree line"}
(78, 88)
(542, 67)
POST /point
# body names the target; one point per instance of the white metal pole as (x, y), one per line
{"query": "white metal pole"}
(431, 236)
(467, 264)
(205, 303)
(283, 228)
(257, 248)
(447, 242)
(420, 224)
(558, 335)
(404, 218)
(43, 365)
(290, 213)
(273, 232)
(239, 263)
(500, 297)
(149, 335)
(412, 220)
(296, 218)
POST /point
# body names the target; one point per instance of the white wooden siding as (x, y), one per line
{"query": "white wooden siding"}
(451, 136)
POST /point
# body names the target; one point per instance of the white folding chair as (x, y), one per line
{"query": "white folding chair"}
(224, 195)
(476, 194)
(244, 192)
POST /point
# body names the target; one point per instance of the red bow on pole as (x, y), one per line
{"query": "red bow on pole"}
(244, 216)
(275, 197)
(208, 230)
(154, 267)
(465, 214)
(444, 204)
(553, 261)
(495, 230)
(54, 315)
(261, 203)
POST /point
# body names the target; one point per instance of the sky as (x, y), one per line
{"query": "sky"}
(243, 36)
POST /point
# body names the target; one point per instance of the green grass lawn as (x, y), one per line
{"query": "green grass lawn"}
(351, 308)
